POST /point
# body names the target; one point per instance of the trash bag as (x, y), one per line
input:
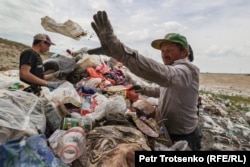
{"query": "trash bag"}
(63, 63)
(68, 28)
(32, 151)
(115, 104)
(22, 111)
(66, 93)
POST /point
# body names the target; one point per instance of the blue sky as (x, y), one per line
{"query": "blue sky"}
(218, 30)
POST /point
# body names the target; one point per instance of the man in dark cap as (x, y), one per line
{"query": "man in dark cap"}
(178, 78)
(31, 64)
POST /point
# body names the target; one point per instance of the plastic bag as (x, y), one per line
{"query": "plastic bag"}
(32, 151)
(66, 93)
(22, 111)
(72, 145)
(68, 28)
(87, 61)
(98, 107)
(116, 104)
(63, 63)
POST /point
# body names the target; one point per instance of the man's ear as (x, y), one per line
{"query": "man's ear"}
(185, 53)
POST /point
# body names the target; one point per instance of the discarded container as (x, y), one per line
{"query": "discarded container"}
(53, 116)
(68, 123)
(15, 86)
(72, 145)
(86, 124)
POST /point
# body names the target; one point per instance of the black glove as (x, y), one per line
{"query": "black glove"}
(136, 88)
(52, 84)
(104, 31)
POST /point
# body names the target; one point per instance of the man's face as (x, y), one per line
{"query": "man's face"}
(171, 52)
(44, 46)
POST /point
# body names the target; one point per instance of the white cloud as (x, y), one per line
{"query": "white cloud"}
(218, 31)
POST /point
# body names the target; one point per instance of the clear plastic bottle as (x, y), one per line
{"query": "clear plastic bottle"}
(86, 124)
(72, 145)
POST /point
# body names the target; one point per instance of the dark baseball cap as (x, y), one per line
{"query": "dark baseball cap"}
(44, 37)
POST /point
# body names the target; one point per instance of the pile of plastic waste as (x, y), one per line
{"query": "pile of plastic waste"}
(93, 118)
(223, 128)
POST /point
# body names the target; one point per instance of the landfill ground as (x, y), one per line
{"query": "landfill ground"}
(230, 129)
(231, 84)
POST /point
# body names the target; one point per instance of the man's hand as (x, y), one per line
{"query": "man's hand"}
(104, 31)
(52, 84)
(136, 88)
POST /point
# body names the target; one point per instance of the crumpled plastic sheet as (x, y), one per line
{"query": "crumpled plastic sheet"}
(21, 111)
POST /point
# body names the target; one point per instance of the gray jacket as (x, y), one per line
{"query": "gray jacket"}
(178, 91)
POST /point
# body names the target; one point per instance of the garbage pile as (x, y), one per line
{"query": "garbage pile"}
(93, 118)
(223, 129)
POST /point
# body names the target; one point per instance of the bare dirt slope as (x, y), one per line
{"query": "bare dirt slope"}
(10, 52)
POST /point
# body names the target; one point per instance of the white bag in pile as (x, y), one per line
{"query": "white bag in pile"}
(21, 113)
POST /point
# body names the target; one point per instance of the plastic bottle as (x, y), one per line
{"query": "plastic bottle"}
(72, 145)
(86, 124)
(53, 116)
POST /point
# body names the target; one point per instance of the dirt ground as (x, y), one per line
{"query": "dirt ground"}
(232, 84)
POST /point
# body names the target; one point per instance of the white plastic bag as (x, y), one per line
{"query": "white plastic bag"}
(21, 111)
(66, 93)
(68, 28)
(116, 104)
(99, 109)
